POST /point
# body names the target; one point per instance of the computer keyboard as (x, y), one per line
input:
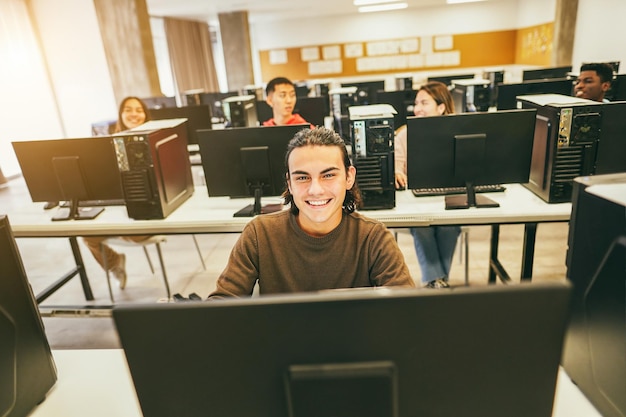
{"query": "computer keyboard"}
(425, 192)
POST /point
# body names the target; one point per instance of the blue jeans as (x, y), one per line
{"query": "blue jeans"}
(434, 247)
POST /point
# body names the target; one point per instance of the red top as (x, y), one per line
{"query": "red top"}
(295, 119)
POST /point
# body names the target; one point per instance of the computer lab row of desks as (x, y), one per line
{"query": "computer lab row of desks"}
(204, 214)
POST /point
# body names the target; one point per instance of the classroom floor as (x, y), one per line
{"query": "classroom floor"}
(45, 260)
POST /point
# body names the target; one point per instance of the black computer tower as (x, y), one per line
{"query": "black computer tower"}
(340, 100)
(27, 370)
(573, 137)
(594, 354)
(372, 137)
(155, 168)
(240, 111)
(471, 95)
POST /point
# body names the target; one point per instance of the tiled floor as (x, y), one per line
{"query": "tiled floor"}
(47, 259)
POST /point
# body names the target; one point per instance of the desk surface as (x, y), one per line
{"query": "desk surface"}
(201, 214)
(97, 383)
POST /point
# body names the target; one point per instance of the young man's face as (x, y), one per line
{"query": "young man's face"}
(589, 86)
(282, 101)
(318, 182)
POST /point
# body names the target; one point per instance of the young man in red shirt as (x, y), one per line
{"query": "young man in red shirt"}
(281, 97)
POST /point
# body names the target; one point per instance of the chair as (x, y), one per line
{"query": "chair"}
(463, 255)
(152, 240)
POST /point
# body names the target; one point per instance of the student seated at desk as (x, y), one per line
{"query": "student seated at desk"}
(132, 113)
(434, 245)
(281, 97)
(320, 242)
(594, 81)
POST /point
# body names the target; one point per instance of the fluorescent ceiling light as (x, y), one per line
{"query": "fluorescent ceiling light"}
(366, 2)
(382, 7)
(461, 1)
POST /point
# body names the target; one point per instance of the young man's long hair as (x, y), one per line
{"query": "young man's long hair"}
(322, 137)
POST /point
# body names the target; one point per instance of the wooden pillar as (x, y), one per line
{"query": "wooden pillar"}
(564, 30)
(127, 38)
(235, 35)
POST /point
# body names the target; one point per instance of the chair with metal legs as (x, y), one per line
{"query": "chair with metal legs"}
(151, 240)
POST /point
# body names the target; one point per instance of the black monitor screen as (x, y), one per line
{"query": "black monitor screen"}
(470, 149)
(312, 109)
(447, 79)
(402, 101)
(198, 117)
(214, 100)
(159, 102)
(507, 93)
(70, 170)
(27, 370)
(617, 92)
(492, 351)
(366, 92)
(246, 162)
(546, 73)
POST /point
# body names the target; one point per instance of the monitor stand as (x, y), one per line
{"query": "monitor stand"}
(74, 212)
(252, 210)
(470, 199)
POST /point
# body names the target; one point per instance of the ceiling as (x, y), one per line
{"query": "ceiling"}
(262, 10)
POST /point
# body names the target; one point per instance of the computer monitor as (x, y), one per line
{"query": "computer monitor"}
(159, 102)
(487, 351)
(402, 101)
(447, 79)
(27, 370)
(507, 93)
(246, 162)
(367, 91)
(617, 92)
(468, 149)
(546, 73)
(214, 100)
(198, 117)
(312, 109)
(72, 170)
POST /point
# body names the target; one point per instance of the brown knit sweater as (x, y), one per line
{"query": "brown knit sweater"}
(274, 251)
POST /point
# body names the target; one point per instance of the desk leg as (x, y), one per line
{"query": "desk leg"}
(495, 267)
(79, 269)
(80, 266)
(528, 254)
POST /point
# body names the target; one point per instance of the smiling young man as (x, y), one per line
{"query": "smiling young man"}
(594, 81)
(281, 97)
(320, 243)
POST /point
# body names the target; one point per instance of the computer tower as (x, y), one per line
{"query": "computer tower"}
(471, 95)
(573, 137)
(594, 354)
(155, 169)
(372, 137)
(495, 78)
(341, 99)
(27, 370)
(404, 83)
(240, 111)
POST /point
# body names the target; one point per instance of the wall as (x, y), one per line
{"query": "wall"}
(75, 55)
(456, 19)
(600, 32)
(27, 108)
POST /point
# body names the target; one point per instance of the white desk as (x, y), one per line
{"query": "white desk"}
(201, 214)
(97, 383)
